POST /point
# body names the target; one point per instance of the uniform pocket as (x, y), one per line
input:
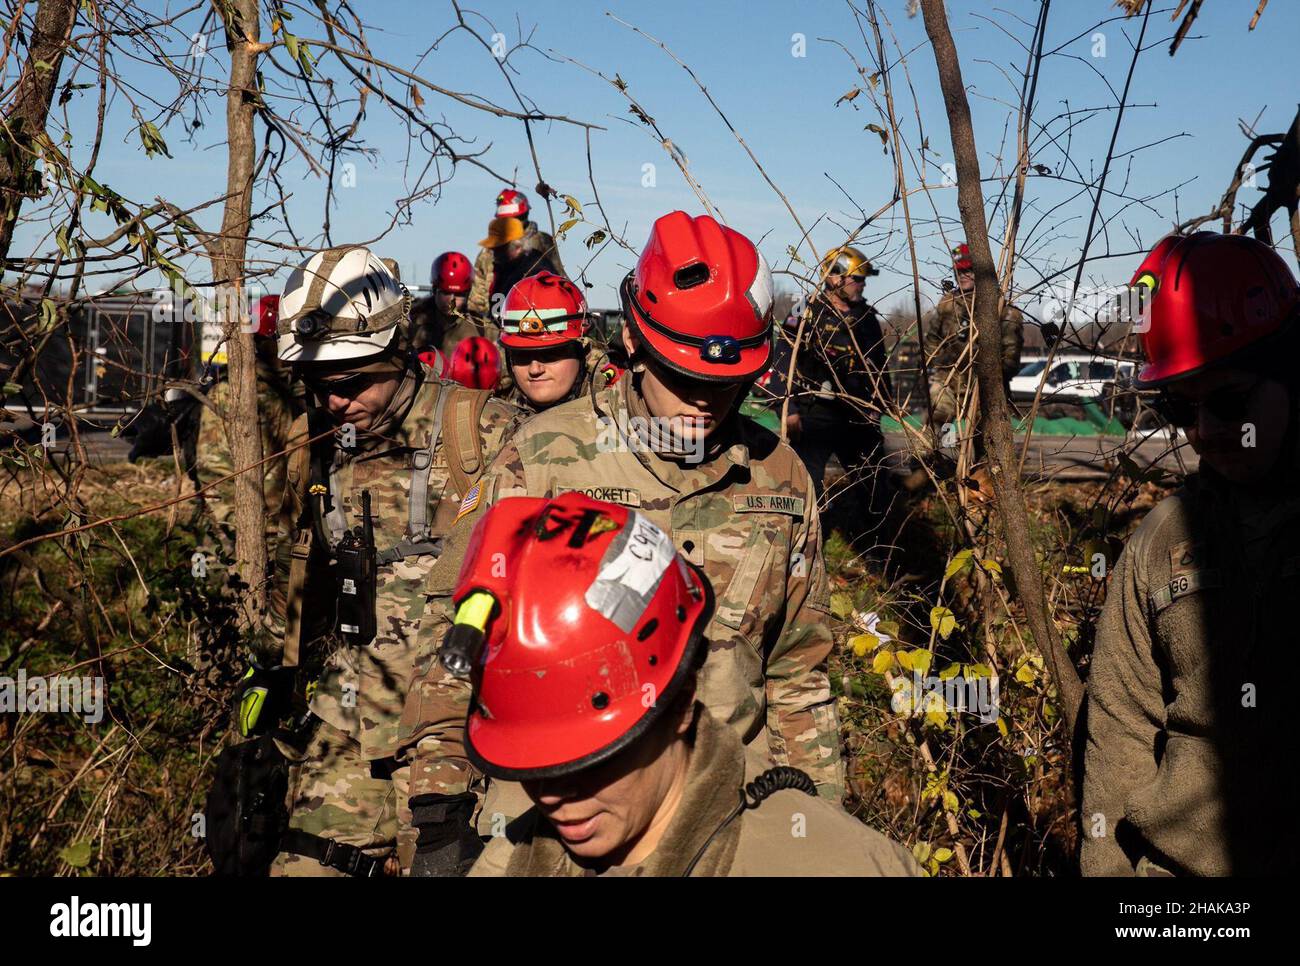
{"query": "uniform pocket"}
(737, 602)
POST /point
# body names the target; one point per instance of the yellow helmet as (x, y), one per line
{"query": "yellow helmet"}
(847, 261)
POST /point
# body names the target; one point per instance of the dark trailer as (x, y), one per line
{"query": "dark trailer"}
(110, 357)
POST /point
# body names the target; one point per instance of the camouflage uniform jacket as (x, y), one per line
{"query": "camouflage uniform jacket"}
(748, 517)
(947, 329)
(278, 406)
(1191, 740)
(755, 843)
(361, 690)
(480, 293)
(431, 328)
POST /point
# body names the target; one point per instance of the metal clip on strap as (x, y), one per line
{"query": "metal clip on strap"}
(339, 856)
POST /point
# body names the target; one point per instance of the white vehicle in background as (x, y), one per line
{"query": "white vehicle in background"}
(1073, 377)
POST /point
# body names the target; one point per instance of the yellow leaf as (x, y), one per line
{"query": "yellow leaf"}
(920, 661)
(992, 566)
(950, 802)
(1002, 727)
(864, 643)
(942, 855)
(882, 662)
(572, 202)
(904, 659)
(1026, 674)
(921, 851)
(566, 226)
(957, 564)
(950, 672)
(941, 620)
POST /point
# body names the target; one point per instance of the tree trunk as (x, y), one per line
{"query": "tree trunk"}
(994, 421)
(24, 118)
(227, 254)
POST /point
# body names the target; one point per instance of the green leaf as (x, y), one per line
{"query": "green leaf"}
(76, 855)
(291, 44)
(957, 564)
(942, 855)
(841, 605)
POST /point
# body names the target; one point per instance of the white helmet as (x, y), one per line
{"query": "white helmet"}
(342, 303)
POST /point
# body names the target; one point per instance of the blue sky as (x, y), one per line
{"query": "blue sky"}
(785, 108)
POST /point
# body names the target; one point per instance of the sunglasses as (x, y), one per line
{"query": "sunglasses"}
(1226, 405)
(348, 388)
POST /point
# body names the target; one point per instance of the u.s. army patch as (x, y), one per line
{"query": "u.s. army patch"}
(468, 504)
(767, 503)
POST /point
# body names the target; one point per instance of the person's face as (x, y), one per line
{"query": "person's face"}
(966, 279)
(509, 251)
(545, 376)
(451, 303)
(615, 813)
(1234, 419)
(356, 398)
(692, 408)
(847, 287)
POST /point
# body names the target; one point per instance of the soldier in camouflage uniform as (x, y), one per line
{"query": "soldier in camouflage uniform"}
(279, 404)
(947, 335)
(581, 610)
(443, 320)
(412, 446)
(544, 331)
(736, 500)
(539, 244)
(1191, 739)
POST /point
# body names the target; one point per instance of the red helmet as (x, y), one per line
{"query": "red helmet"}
(590, 622)
(1209, 297)
(543, 310)
(961, 258)
(435, 360)
(512, 204)
(268, 314)
(452, 272)
(700, 299)
(475, 363)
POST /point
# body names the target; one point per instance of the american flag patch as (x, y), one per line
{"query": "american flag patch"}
(471, 499)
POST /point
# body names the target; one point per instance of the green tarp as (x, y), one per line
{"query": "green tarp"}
(1096, 423)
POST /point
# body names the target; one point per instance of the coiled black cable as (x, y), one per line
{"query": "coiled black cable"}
(754, 794)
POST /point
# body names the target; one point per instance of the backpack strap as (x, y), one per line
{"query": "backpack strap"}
(463, 440)
(417, 539)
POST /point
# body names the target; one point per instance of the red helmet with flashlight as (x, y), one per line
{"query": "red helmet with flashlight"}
(579, 622)
(700, 300)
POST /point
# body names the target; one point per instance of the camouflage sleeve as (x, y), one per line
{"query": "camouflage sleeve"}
(481, 290)
(432, 730)
(213, 460)
(803, 725)
(933, 336)
(1013, 341)
(1125, 718)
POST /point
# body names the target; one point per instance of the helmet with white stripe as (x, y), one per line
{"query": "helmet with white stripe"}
(543, 310)
(341, 304)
